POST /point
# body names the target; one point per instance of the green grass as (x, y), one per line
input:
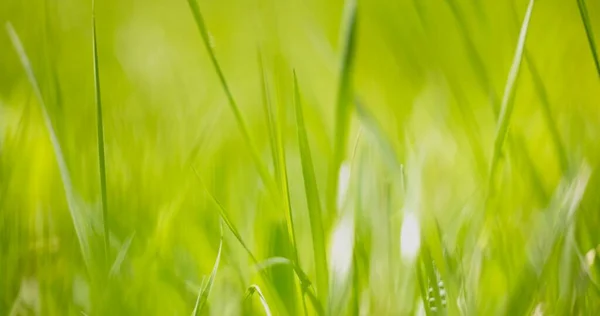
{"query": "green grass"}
(299, 158)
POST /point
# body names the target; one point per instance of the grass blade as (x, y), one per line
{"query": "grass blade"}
(116, 266)
(302, 276)
(587, 23)
(344, 100)
(269, 115)
(100, 126)
(255, 289)
(312, 198)
(205, 291)
(262, 170)
(373, 126)
(225, 217)
(78, 221)
(507, 104)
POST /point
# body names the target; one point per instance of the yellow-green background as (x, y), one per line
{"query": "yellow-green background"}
(418, 72)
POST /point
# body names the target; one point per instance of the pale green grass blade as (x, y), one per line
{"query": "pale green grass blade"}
(262, 170)
(116, 266)
(79, 223)
(422, 287)
(313, 200)
(269, 115)
(344, 100)
(205, 291)
(587, 23)
(255, 289)
(507, 104)
(100, 126)
(225, 217)
(431, 273)
(370, 123)
(305, 282)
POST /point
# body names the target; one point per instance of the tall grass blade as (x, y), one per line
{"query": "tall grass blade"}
(587, 23)
(542, 93)
(262, 170)
(312, 198)
(255, 289)
(78, 221)
(344, 100)
(302, 276)
(269, 115)
(100, 126)
(506, 107)
(205, 291)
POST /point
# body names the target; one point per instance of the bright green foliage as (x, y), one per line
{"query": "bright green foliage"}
(411, 157)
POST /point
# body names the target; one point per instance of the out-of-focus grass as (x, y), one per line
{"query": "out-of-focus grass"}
(367, 157)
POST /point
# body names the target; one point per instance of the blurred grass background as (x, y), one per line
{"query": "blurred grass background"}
(423, 92)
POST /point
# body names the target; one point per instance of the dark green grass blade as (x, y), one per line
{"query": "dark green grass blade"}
(255, 289)
(262, 170)
(100, 126)
(205, 291)
(587, 23)
(344, 100)
(313, 201)
(538, 83)
(507, 104)
(474, 56)
(81, 227)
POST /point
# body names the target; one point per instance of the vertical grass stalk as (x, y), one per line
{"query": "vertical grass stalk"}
(100, 126)
(344, 99)
(312, 198)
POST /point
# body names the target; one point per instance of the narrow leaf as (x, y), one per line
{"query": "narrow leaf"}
(78, 221)
(587, 23)
(255, 289)
(508, 96)
(262, 170)
(344, 100)
(312, 198)
(100, 132)
(205, 291)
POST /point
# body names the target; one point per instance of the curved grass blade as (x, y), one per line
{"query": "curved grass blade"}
(78, 221)
(587, 23)
(312, 198)
(205, 291)
(100, 126)
(304, 281)
(262, 170)
(344, 100)
(507, 104)
(225, 217)
(255, 289)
